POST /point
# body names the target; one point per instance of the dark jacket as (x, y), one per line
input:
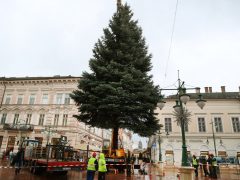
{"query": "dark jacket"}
(19, 156)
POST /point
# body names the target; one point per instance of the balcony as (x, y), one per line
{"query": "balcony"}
(18, 127)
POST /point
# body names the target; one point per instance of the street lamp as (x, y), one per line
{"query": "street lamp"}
(160, 141)
(49, 131)
(182, 98)
(214, 139)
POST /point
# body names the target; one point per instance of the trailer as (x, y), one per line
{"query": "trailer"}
(52, 158)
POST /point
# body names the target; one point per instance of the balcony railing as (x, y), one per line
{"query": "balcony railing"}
(18, 127)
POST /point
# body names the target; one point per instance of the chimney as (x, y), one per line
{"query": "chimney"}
(206, 89)
(223, 89)
(198, 90)
(210, 89)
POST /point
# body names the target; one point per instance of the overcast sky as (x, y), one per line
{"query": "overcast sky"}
(56, 37)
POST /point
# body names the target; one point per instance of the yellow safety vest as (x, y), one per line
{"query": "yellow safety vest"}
(91, 164)
(194, 162)
(102, 165)
(214, 162)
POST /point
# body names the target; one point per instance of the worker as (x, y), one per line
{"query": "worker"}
(195, 165)
(102, 168)
(214, 167)
(92, 167)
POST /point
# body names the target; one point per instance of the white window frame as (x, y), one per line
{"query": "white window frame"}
(56, 119)
(218, 124)
(15, 119)
(59, 98)
(67, 98)
(44, 98)
(201, 125)
(236, 124)
(65, 118)
(168, 124)
(20, 99)
(32, 99)
(29, 118)
(8, 99)
(3, 118)
(41, 119)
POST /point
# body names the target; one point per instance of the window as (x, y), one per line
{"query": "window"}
(59, 98)
(218, 124)
(3, 119)
(67, 99)
(65, 117)
(41, 119)
(201, 125)
(29, 117)
(56, 117)
(236, 124)
(32, 99)
(168, 125)
(20, 99)
(45, 99)
(15, 120)
(8, 99)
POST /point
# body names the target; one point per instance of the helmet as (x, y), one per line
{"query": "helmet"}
(94, 154)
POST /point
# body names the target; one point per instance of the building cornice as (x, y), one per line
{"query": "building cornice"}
(38, 80)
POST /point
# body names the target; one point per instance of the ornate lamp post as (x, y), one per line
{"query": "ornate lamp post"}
(160, 142)
(214, 139)
(182, 99)
(49, 131)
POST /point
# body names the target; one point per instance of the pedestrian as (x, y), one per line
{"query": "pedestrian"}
(18, 160)
(214, 167)
(195, 165)
(3, 154)
(128, 164)
(209, 161)
(132, 163)
(92, 167)
(102, 168)
(204, 165)
(10, 156)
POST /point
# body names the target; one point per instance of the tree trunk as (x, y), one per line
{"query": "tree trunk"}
(114, 139)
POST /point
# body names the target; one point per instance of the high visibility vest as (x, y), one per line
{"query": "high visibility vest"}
(91, 164)
(194, 162)
(102, 165)
(214, 162)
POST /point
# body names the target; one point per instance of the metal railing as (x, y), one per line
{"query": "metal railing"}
(18, 127)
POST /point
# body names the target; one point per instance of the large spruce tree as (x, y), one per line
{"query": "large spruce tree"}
(119, 92)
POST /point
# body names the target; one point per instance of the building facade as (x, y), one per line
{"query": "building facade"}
(41, 108)
(214, 129)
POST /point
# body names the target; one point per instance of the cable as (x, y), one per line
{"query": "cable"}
(170, 47)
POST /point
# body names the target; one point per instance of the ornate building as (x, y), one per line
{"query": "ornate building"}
(213, 129)
(40, 108)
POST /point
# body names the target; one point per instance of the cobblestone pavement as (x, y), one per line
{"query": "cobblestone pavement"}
(153, 174)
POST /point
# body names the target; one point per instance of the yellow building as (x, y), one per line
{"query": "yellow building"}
(40, 108)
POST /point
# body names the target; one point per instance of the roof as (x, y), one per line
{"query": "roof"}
(37, 78)
(217, 95)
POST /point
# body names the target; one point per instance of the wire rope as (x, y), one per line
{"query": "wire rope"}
(171, 40)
